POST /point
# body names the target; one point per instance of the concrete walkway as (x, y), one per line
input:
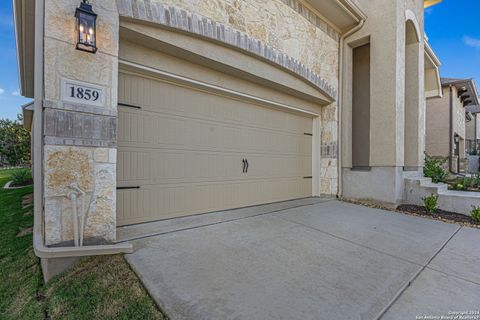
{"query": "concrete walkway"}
(307, 259)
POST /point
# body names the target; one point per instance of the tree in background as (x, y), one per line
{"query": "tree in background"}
(14, 143)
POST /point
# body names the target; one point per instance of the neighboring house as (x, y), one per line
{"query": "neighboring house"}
(473, 130)
(446, 121)
(191, 107)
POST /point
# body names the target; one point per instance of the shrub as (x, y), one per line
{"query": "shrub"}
(21, 177)
(475, 180)
(475, 213)
(14, 143)
(430, 203)
(434, 169)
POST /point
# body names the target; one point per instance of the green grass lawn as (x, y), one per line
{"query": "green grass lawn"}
(97, 288)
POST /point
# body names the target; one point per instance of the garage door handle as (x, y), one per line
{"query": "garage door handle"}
(244, 164)
(125, 188)
(246, 169)
(129, 105)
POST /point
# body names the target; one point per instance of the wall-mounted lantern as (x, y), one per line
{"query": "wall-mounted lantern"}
(86, 27)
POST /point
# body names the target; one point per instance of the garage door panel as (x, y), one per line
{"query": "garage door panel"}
(184, 148)
(182, 101)
(144, 166)
(168, 201)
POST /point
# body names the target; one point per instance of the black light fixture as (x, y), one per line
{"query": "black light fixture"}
(456, 138)
(86, 27)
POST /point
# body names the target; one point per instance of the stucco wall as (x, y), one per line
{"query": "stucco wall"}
(385, 29)
(470, 128)
(438, 125)
(458, 115)
(80, 140)
(477, 117)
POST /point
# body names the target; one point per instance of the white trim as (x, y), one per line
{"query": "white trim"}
(17, 23)
(410, 16)
(213, 88)
(316, 156)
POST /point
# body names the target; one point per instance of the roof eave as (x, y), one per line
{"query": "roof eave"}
(435, 63)
(342, 15)
(431, 54)
(470, 83)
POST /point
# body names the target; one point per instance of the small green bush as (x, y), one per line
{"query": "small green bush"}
(434, 169)
(430, 203)
(475, 181)
(475, 213)
(21, 177)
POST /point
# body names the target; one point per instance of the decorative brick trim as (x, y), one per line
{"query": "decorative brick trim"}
(64, 127)
(329, 150)
(171, 17)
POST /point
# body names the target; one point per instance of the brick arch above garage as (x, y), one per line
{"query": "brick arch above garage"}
(155, 14)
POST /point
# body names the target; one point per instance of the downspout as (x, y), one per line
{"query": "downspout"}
(450, 131)
(340, 103)
(475, 140)
(39, 247)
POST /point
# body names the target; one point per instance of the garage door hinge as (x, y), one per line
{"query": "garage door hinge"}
(129, 106)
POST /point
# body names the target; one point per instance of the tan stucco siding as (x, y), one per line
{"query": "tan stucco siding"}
(477, 117)
(438, 123)
(385, 30)
(458, 115)
(470, 129)
(437, 131)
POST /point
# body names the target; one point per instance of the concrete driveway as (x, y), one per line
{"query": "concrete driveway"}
(307, 259)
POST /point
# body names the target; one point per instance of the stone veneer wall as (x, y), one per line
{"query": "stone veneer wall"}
(80, 140)
(285, 25)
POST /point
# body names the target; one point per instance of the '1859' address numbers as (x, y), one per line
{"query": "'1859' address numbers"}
(84, 93)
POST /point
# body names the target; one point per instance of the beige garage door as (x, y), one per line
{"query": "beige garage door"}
(181, 151)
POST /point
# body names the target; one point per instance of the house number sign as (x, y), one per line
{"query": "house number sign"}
(83, 93)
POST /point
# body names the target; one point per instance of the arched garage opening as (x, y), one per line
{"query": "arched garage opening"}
(197, 133)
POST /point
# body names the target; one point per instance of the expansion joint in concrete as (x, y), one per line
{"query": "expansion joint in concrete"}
(414, 277)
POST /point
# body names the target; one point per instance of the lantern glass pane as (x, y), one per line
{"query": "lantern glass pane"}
(87, 29)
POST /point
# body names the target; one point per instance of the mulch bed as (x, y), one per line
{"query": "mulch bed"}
(419, 211)
(439, 214)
